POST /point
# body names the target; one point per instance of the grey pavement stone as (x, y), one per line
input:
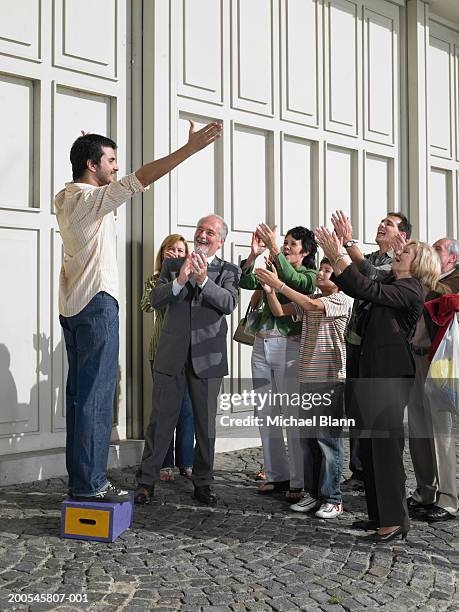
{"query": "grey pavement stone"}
(247, 553)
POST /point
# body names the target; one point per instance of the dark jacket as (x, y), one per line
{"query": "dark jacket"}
(396, 306)
(195, 319)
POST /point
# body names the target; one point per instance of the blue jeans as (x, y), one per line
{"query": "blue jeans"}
(184, 437)
(322, 445)
(92, 343)
(323, 468)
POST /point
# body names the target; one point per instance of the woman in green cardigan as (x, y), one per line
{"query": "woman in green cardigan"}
(174, 246)
(275, 355)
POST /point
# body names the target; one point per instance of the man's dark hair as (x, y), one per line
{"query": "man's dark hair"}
(308, 243)
(85, 148)
(404, 225)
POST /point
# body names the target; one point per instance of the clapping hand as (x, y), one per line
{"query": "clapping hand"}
(397, 244)
(342, 225)
(329, 242)
(257, 246)
(186, 271)
(268, 236)
(199, 263)
(268, 280)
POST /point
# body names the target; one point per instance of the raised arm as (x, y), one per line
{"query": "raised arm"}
(197, 140)
(270, 279)
(343, 230)
(402, 294)
(276, 308)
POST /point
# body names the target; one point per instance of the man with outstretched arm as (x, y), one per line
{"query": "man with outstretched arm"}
(88, 298)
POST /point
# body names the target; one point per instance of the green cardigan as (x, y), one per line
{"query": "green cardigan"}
(301, 279)
(158, 314)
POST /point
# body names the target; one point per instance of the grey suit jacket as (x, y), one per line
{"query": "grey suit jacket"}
(195, 319)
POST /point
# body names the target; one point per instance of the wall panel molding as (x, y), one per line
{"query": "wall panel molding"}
(254, 55)
(22, 358)
(20, 30)
(87, 45)
(300, 52)
(378, 193)
(201, 58)
(380, 75)
(440, 96)
(297, 183)
(19, 101)
(252, 165)
(342, 66)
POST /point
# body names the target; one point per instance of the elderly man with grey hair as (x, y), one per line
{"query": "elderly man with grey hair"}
(198, 291)
(432, 441)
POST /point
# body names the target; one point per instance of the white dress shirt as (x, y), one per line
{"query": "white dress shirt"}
(87, 226)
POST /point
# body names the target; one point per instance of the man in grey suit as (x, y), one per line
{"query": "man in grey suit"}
(197, 292)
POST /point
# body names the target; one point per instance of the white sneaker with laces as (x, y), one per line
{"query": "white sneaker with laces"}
(329, 510)
(307, 504)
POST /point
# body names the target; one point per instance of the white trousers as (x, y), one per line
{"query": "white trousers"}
(275, 370)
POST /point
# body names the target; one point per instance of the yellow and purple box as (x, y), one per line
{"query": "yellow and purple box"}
(99, 521)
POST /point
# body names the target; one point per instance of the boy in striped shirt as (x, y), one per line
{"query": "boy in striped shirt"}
(322, 371)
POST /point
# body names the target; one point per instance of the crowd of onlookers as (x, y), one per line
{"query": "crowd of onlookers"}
(359, 337)
(354, 334)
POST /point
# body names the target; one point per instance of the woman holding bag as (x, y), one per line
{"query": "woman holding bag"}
(275, 353)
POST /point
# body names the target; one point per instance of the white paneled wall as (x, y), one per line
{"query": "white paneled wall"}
(310, 111)
(60, 72)
(442, 128)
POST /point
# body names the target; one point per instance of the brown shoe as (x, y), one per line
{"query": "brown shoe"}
(294, 495)
(143, 494)
(267, 488)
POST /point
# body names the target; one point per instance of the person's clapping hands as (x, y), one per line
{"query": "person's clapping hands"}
(268, 237)
(329, 242)
(199, 262)
(342, 225)
(268, 278)
(186, 270)
(397, 243)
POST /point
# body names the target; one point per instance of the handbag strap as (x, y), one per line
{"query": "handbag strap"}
(247, 311)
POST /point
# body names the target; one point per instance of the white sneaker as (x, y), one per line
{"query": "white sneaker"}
(328, 511)
(307, 504)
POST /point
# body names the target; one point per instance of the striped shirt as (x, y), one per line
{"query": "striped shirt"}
(86, 219)
(322, 348)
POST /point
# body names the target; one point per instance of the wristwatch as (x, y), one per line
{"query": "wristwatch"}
(349, 243)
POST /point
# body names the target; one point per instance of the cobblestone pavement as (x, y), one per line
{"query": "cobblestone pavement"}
(247, 553)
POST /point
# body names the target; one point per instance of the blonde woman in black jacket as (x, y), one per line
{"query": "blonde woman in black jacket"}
(386, 372)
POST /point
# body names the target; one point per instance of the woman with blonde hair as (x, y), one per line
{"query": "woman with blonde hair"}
(386, 372)
(173, 246)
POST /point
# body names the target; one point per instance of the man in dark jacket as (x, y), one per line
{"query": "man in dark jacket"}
(198, 291)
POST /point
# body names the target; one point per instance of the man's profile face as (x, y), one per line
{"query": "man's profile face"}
(447, 259)
(387, 229)
(207, 236)
(105, 171)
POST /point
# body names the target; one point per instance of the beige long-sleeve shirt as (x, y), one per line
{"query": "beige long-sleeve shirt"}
(86, 219)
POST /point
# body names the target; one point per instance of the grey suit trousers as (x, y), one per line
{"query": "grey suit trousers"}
(432, 446)
(167, 398)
